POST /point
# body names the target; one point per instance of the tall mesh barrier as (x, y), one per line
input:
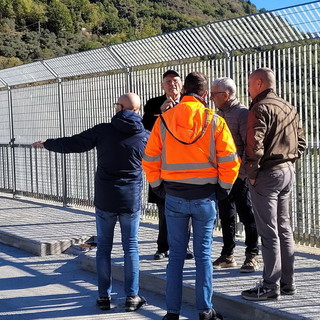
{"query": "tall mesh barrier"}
(66, 95)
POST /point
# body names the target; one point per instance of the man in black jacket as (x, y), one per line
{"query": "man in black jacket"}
(118, 186)
(172, 86)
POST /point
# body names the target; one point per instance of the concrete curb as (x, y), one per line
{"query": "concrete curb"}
(35, 247)
(226, 305)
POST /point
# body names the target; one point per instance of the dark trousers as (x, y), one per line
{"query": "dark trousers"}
(271, 197)
(238, 201)
(162, 241)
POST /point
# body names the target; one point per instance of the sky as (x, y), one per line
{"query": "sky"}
(276, 4)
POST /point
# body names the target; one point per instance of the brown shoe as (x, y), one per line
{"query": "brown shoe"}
(224, 262)
(251, 264)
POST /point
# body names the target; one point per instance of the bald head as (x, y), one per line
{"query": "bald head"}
(260, 80)
(130, 101)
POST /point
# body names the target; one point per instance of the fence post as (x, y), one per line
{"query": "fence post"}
(62, 133)
(228, 63)
(12, 139)
(11, 143)
(129, 79)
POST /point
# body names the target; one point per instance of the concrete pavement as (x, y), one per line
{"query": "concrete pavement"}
(47, 230)
(54, 287)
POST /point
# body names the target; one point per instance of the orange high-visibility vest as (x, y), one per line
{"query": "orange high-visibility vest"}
(191, 145)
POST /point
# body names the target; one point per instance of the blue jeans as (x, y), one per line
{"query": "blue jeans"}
(178, 212)
(129, 224)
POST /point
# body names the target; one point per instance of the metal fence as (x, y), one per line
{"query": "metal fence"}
(66, 95)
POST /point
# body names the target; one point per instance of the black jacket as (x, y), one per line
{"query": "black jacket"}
(120, 148)
(151, 110)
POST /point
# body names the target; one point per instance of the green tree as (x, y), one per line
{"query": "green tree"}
(9, 62)
(28, 12)
(59, 17)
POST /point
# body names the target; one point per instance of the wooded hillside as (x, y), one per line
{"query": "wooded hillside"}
(32, 30)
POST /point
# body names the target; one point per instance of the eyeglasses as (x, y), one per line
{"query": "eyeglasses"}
(215, 93)
(172, 81)
(116, 105)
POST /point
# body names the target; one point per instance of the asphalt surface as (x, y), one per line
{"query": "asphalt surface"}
(41, 282)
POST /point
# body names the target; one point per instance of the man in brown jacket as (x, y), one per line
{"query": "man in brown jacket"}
(275, 140)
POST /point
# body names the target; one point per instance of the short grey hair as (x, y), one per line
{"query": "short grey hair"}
(225, 84)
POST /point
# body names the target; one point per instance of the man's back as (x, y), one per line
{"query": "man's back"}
(280, 143)
(120, 147)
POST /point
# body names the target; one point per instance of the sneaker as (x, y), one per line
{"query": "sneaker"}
(160, 255)
(260, 293)
(134, 303)
(171, 316)
(189, 255)
(288, 289)
(224, 262)
(210, 315)
(251, 264)
(104, 303)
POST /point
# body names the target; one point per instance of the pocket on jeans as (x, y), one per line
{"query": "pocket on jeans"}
(173, 204)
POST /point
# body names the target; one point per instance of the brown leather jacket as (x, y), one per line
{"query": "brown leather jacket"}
(275, 137)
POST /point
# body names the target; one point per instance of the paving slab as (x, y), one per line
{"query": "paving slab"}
(46, 229)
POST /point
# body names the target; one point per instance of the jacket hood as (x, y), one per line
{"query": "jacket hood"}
(188, 120)
(128, 122)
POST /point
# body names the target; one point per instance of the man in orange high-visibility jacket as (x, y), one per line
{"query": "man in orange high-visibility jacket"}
(191, 159)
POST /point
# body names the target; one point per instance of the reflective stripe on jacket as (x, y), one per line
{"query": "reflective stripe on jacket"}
(192, 160)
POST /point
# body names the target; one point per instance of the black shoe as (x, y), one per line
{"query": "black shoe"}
(134, 303)
(210, 315)
(171, 316)
(288, 289)
(104, 303)
(261, 293)
(189, 255)
(160, 255)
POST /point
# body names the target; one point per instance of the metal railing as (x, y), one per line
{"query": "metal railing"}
(64, 96)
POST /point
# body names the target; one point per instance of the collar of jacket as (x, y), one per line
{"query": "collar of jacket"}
(187, 97)
(229, 105)
(260, 96)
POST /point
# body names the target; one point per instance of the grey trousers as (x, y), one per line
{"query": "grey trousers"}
(270, 199)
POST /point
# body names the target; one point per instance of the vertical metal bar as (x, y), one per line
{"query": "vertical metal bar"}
(129, 79)
(31, 169)
(8, 168)
(229, 64)
(289, 76)
(88, 176)
(62, 134)
(37, 172)
(312, 151)
(11, 143)
(317, 146)
(284, 74)
(295, 221)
